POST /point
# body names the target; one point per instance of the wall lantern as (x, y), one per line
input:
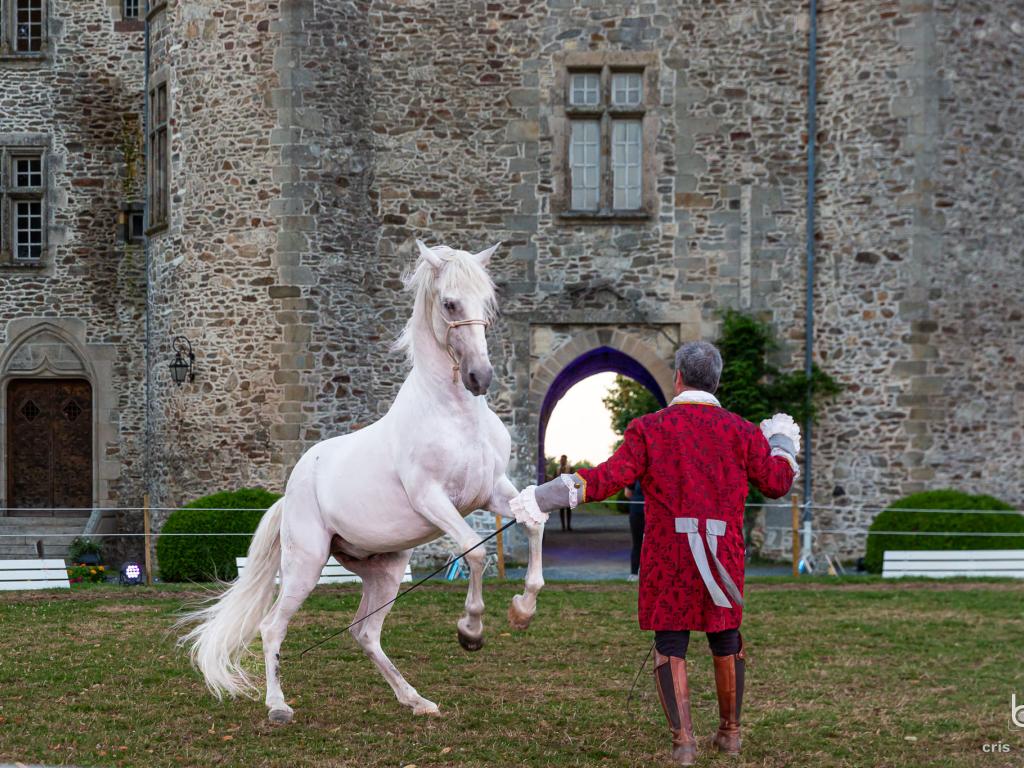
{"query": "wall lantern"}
(184, 363)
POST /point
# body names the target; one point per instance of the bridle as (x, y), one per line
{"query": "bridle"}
(452, 324)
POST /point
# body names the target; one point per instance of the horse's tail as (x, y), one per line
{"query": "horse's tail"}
(227, 626)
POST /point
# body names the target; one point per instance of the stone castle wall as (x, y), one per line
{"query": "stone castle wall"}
(80, 311)
(313, 141)
(214, 269)
(917, 280)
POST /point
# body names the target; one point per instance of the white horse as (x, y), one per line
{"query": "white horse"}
(369, 497)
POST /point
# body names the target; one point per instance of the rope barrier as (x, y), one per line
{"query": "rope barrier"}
(843, 531)
(773, 505)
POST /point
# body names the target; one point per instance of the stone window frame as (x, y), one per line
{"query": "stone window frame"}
(158, 215)
(123, 22)
(131, 213)
(9, 35)
(12, 147)
(606, 63)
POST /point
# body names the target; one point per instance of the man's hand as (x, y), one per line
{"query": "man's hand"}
(534, 502)
(783, 436)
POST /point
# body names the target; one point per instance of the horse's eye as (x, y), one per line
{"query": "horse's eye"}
(449, 306)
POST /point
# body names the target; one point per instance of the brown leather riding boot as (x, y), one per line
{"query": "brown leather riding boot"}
(729, 674)
(674, 692)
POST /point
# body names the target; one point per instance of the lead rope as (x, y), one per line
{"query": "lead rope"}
(632, 688)
(405, 592)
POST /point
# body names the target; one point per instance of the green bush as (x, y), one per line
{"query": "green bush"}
(205, 558)
(893, 519)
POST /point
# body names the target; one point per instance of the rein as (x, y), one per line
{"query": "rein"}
(453, 324)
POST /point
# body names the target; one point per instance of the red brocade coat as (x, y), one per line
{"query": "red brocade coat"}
(693, 461)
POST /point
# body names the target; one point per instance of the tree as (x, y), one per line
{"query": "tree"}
(626, 400)
(753, 388)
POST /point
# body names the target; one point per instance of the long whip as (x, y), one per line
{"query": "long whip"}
(405, 592)
(632, 688)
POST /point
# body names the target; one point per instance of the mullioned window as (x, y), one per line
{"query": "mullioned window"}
(22, 204)
(605, 131)
(23, 28)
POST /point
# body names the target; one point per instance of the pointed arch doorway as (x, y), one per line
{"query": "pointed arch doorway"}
(598, 360)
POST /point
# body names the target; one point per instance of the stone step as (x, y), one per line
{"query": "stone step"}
(41, 523)
(18, 536)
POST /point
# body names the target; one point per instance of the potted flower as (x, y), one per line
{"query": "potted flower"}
(85, 551)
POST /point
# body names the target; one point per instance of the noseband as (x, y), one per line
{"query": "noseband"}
(448, 344)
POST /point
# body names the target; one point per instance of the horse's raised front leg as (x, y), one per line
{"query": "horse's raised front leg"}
(435, 506)
(523, 606)
(382, 576)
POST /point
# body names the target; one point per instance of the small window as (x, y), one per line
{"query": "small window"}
(28, 26)
(584, 159)
(131, 9)
(137, 225)
(627, 89)
(585, 90)
(28, 230)
(22, 205)
(604, 156)
(159, 167)
(626, 144)
(133, 228)
(28, 172)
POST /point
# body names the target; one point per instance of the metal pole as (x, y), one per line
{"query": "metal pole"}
(501, 547)
(147, 357)
(146, 528)
(812, 97)
(796, 535)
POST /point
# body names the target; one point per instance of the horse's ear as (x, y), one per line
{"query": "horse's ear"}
(428, 255)
(485, 256)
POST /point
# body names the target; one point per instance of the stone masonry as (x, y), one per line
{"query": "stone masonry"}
(311, 141)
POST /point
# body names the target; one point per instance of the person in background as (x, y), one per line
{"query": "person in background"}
(694, 460)
(635, 494)
(565, 513)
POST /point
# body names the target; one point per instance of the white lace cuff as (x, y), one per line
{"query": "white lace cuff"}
(782, 424)
(574, 490)
(524, 507)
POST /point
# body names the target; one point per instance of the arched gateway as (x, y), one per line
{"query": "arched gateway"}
(593, 352)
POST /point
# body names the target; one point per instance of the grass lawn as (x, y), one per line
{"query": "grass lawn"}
(862, 673)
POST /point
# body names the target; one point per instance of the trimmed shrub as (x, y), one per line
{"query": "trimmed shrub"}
(893, 519)
(207, 558)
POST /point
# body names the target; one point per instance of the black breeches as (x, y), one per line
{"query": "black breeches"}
(636, 529)
(675, 643)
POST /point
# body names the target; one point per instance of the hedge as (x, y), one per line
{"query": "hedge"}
(893, 519)
(206, 558)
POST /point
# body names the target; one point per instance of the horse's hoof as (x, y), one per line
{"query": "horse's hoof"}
(471, 643)
(281, 716)
(426, 708)
(517, 617)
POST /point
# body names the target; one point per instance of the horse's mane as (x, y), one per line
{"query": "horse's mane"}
(462, 275)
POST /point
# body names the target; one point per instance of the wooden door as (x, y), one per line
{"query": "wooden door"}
(49, 445)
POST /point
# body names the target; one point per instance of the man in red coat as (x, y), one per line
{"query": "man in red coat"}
(694, 460)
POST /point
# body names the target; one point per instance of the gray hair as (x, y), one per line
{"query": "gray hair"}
(700, 363)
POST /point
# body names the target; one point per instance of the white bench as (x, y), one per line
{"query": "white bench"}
(33, 574)
(966, 562)
(333, 572)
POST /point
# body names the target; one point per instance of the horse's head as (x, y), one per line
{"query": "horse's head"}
(455, 296)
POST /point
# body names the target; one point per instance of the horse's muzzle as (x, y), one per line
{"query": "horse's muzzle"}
(478, 380)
